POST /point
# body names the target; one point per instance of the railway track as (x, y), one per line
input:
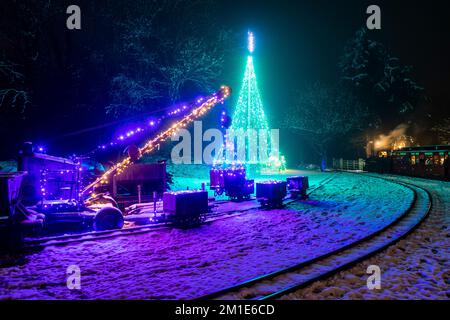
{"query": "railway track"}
(97, 235)
(284, 281)
(286, 201)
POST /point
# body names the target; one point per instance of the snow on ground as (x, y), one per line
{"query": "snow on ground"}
(175, 263)
(192, 176)
(418, 267)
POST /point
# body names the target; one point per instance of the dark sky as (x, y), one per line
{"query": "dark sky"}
(301, 41)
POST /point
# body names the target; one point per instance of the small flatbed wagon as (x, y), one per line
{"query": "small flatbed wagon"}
(297, 186)
(232, 182)
(185, 208)
(271, 193)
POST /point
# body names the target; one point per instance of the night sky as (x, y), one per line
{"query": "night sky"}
(301, 41)
(297, 42)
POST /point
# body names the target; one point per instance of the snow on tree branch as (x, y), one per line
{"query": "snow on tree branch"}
(377, 76)
(170, 57)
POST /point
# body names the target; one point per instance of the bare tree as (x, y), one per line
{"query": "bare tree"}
(196, 64)
(174, 50)
(323, 115)
(13, 95)
(21, 51)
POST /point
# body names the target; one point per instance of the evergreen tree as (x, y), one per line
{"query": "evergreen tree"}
(379, 80)
(249, 111)
(249, 118)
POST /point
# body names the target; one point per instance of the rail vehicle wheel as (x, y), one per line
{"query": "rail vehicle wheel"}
(108, 218)
(198, 219)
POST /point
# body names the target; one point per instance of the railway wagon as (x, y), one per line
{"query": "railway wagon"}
(298, 186)
(186, 207)
(233, 182)
(139, 183)
(271, 193)
(425, 162)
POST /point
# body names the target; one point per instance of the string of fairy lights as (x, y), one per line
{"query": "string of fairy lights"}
(249, 111)
(151, 145)
(248, 115)
(145, 127)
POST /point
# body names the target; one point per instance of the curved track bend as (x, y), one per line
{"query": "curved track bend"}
(285, 281)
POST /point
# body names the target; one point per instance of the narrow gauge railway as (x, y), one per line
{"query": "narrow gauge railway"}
(284, 281)
(32, 243)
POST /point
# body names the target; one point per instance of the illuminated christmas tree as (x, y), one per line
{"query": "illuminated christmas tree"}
(249, 112)
(249, 139)
(249, 120)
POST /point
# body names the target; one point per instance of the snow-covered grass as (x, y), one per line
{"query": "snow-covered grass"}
(418, 267)
(194, 175)
(175, 264)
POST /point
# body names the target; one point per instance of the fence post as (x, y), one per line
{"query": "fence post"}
(362, 162)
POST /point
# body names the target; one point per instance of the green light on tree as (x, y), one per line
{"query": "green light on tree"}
(249, 127)
(249, 112)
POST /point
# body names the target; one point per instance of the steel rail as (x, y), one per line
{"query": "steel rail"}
(235, 289)
(96, 235)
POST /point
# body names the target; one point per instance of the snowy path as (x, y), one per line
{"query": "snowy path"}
(418, 267)
(174, 264)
